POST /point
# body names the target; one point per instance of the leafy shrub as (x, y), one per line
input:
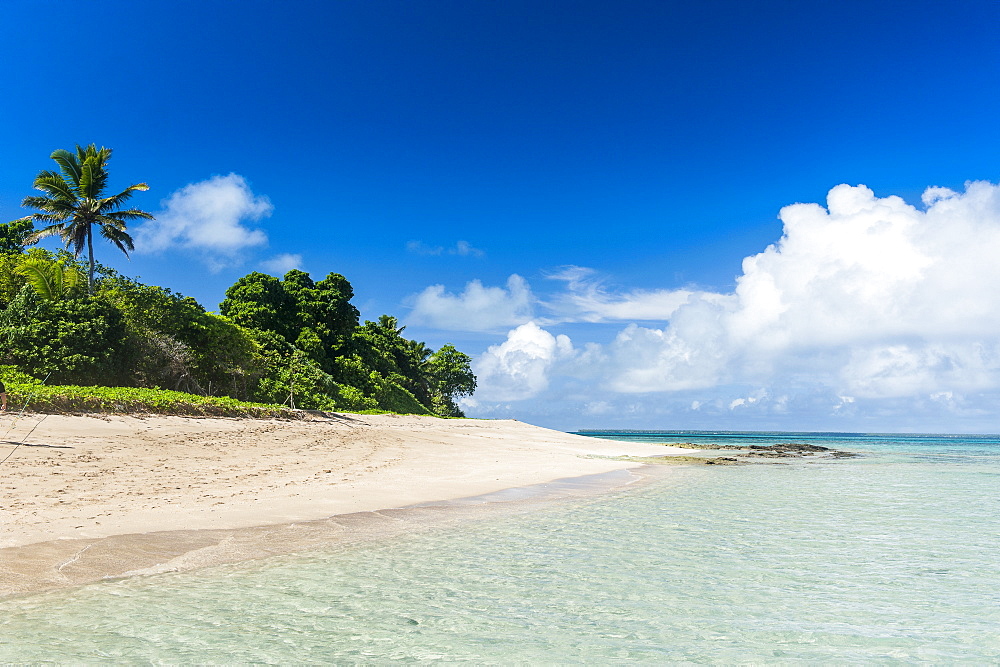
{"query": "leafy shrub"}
(301, 378)
(394, 398)
(173, 342)
(352, 399)
(76, 340)
(136, 400)
(13, 376)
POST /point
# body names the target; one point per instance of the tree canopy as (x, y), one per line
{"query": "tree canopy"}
(319, 352)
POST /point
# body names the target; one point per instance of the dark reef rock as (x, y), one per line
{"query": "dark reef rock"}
(781, 450)
(770, 454)
(693, 445)
(722, 461)
(791, 447)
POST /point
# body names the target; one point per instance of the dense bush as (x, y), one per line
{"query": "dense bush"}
(394, 398)
(292, 341)
(71, 340)
(174, 343)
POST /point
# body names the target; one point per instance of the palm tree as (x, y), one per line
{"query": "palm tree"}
(390, 323)
(74, 203)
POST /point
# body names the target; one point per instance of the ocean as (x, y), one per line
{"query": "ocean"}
(888, 557)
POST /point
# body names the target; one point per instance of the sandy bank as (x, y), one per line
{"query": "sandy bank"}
(89, 480)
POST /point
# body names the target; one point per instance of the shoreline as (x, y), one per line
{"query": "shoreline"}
(87, 498)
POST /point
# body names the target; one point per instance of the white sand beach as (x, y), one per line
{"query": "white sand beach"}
(97, 483)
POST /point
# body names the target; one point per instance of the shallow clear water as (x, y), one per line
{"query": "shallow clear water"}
(889, 557)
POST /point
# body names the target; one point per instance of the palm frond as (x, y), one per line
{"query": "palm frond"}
(50, 280)
(54, 185)
(48, 174)
(71, 278)
(130, 214)
(46, 217)
(125, 249)
(74, 236)
(101, 158)
(115, 202)
(110, 220)
(39, 276)
(69, 164)
(98, 157)
(119, 237)
(49, 205)
(87, 176)
(44, 232)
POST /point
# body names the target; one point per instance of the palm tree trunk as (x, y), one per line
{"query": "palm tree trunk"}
(90, 253)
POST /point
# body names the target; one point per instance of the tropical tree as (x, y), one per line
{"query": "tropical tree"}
(259, 301)
(73, 203)
(14, 236)
(451, 377)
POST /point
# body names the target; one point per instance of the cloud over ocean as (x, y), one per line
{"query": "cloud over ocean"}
(864, 309)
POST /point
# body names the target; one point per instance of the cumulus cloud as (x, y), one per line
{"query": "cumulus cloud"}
(282, 264)
(864, 299)
(871, 294)
(519, 367)
(477, 308)
(211, 217)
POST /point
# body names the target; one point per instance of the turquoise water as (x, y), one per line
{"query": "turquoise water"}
(890, 557)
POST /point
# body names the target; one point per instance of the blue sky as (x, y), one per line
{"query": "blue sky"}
(619, 160)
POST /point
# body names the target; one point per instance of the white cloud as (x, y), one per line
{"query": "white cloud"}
(477, 308)
(692, 353)
(465, 249)
(461, 249)
(282, 264)
(210, 217)
(746, 401)
(926, 367)
(586, 299)
(870, 294)
(868, 301)
(519, 367)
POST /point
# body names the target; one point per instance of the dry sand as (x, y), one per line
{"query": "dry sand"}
(90, 497)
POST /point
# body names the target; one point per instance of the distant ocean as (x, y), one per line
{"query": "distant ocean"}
(893, 556)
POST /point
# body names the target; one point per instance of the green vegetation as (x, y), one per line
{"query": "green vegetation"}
(121, 345)
(72, 398)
